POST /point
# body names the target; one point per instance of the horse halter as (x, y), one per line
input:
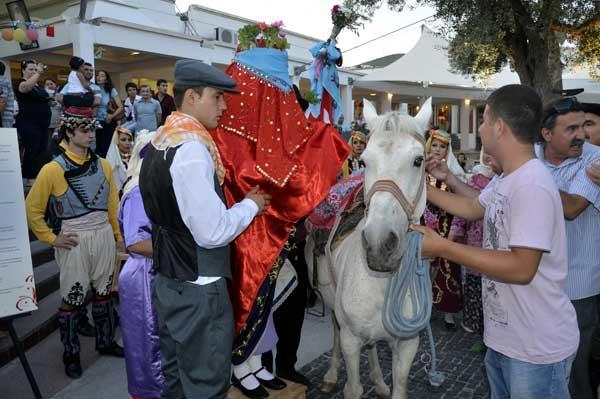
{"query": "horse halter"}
(391, 187)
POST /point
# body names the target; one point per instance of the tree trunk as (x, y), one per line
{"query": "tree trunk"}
(541, 66)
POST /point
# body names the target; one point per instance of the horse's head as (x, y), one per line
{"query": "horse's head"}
(394, 183)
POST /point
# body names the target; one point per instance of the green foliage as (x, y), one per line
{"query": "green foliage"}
(311, 97)
(261, 35)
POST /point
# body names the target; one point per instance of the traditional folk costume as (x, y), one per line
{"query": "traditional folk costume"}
(119, 157)
(265, 139)
(472, 234)
(446, 276)
(83, 195)
(180, 183)
(139, 324)
(354, 163)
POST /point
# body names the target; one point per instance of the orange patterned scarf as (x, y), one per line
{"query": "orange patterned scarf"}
(181, 128)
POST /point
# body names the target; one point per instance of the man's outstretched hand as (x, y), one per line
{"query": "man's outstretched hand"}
(261, 200)
(436, 168)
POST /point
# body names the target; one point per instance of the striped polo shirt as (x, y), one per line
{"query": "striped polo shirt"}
(583, 233)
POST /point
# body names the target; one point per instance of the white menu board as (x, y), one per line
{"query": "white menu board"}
(17, 286)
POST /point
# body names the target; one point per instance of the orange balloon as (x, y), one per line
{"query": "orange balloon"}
(7, 34)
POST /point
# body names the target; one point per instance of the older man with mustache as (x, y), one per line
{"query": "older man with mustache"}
(565, 153)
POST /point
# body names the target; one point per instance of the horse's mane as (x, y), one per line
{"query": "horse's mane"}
(392, 123)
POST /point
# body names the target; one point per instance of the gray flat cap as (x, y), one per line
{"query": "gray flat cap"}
(193, 72)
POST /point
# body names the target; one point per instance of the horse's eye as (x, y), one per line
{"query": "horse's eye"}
(418, 161)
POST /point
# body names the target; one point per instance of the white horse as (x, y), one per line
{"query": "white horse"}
(354, 282)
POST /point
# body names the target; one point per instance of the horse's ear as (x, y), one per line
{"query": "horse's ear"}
(424, 115)
(369, 112)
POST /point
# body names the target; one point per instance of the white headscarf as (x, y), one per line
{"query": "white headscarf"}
(134, 167)
(482, 168)
(113, 156)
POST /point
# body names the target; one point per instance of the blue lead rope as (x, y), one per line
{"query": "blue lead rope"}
(414, 280)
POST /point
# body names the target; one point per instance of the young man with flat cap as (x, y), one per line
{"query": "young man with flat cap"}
(180, 183)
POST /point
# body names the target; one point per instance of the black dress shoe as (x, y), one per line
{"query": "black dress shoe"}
(113, 350)
(450, 326)
(256, 393)
(86, 329)
(72, 366)
(275, 384)
(294, 376)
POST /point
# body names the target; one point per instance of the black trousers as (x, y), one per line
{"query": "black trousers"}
(103, 137)
(34, 138)
(196, 336)
(588, 311)
(289, 317)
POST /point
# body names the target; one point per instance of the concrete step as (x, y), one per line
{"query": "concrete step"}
(40, 252)
(292, 391)
(47, 279)
(33, 328)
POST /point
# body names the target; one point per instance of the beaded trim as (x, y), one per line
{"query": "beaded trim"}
(74, 122)
(273, 180)
(239, 133)
(280, 83)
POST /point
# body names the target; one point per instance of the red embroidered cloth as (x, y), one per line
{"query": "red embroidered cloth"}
(264, 139)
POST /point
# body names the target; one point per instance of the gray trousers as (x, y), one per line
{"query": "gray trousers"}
(587, 310)
(196, 338)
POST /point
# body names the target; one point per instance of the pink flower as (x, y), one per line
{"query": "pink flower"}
(281, 34)
(262, 26)
(277, 24)
(335, 9)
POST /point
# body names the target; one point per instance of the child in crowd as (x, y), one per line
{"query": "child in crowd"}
(79, 92)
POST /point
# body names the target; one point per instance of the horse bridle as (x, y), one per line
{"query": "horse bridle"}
(383, 185)
(389, 186)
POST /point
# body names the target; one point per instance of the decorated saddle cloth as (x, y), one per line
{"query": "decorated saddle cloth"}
(346, 198)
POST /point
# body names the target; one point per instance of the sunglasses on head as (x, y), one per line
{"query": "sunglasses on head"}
(566, 105)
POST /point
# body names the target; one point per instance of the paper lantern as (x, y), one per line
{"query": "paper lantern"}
(7, 34)
(32, 34)
(20, 36)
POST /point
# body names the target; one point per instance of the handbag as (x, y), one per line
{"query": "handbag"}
(112, 107)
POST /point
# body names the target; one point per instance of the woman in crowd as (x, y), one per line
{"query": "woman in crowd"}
(119, 153)
(471, 233)
(33, 119)
(462, 160)
(138, 317)
(108, 113)
(358, 142)
(446, 278)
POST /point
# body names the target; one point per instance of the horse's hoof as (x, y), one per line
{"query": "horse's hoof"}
(383, 392)
(327, 387)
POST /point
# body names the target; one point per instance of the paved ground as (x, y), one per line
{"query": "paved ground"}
(105, 378)
(463, 369)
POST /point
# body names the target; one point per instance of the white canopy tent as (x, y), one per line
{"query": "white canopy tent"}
(427, 65)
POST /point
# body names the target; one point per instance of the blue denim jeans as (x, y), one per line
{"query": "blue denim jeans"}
(514, 379)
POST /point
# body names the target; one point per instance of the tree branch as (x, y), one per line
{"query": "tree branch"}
(578, 29)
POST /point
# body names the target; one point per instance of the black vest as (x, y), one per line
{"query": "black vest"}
(175, 253)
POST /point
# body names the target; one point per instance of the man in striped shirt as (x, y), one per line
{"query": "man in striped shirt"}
(563, 150)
